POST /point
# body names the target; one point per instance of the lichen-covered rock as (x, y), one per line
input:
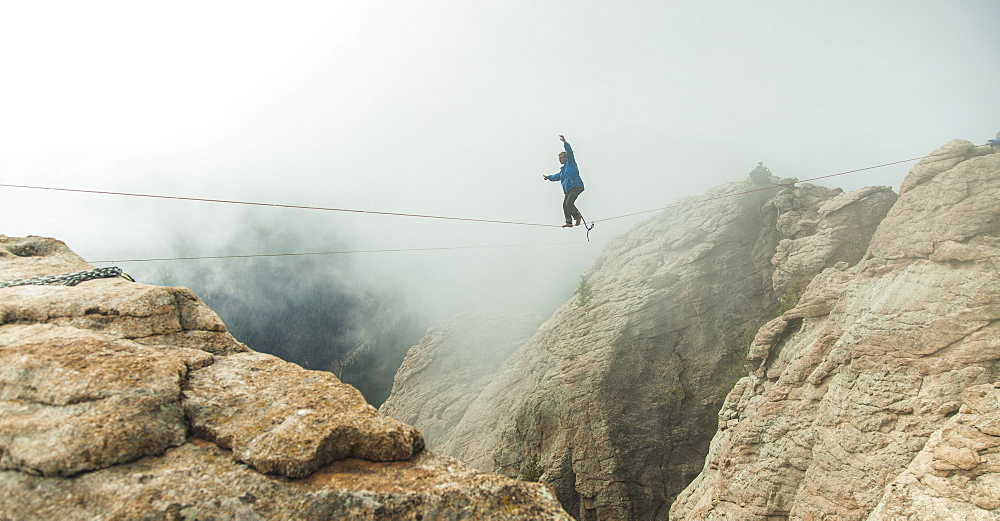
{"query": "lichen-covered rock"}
(855, 407)
(105, 388)
(73, 401)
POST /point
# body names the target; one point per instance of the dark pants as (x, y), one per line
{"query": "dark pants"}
(569, 204)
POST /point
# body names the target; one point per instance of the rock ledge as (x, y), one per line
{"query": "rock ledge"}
(120, 400)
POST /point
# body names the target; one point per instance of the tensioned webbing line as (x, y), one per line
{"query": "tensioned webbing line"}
(424, 216)
(274, 205)
(341, 252)
(723, 196)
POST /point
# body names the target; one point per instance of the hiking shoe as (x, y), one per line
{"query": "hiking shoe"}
(568, 225)
(578, 220)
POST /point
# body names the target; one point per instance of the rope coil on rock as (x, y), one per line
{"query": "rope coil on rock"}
(69, 279)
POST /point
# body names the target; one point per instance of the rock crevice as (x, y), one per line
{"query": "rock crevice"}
(615, 398)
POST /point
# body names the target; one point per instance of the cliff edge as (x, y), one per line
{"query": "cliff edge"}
(613, 400)
(120, 400)
(876, 397)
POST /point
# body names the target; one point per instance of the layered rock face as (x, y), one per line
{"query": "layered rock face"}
(876, 397)
(445, 372)
(120, 400)
(614, 399)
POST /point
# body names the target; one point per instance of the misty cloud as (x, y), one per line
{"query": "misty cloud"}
(446, 108)
(321, 312)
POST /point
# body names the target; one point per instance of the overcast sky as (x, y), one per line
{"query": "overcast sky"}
(454, 108)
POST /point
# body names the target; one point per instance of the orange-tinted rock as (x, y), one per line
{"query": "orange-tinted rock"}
(103, 384)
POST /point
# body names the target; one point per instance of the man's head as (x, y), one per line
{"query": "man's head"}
(562, 158)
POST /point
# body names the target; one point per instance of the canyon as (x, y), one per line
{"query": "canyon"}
(769, 350)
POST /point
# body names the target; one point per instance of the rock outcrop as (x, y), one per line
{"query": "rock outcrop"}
(957, 473)
(614, 399)
(120, 400)
(875, 397)
(445, 372)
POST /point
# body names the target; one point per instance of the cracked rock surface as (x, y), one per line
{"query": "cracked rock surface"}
(448, 368)
(120, 400)
(875, 397)
(284, 420)
(614, 399)
(72, 401)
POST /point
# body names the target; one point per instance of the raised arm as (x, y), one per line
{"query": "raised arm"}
(569, 149)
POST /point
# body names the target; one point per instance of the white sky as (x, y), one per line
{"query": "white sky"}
(454, 108)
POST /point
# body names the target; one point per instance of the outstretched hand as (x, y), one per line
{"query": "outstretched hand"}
(562, 138)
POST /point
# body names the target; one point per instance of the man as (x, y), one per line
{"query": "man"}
(572, 185)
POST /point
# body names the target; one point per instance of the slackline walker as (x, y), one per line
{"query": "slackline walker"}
(572, 186)
(69, 279)
(569, 175)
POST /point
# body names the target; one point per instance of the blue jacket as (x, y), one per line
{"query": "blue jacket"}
(569, 174)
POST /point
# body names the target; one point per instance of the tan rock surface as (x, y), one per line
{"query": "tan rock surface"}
(445, 372)
(282, 419)
(116, 308)
(855, 408)
(73, 401)
(832, 229)
(105, 386)
(615, 397)
(200, 481)
(957, 474)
